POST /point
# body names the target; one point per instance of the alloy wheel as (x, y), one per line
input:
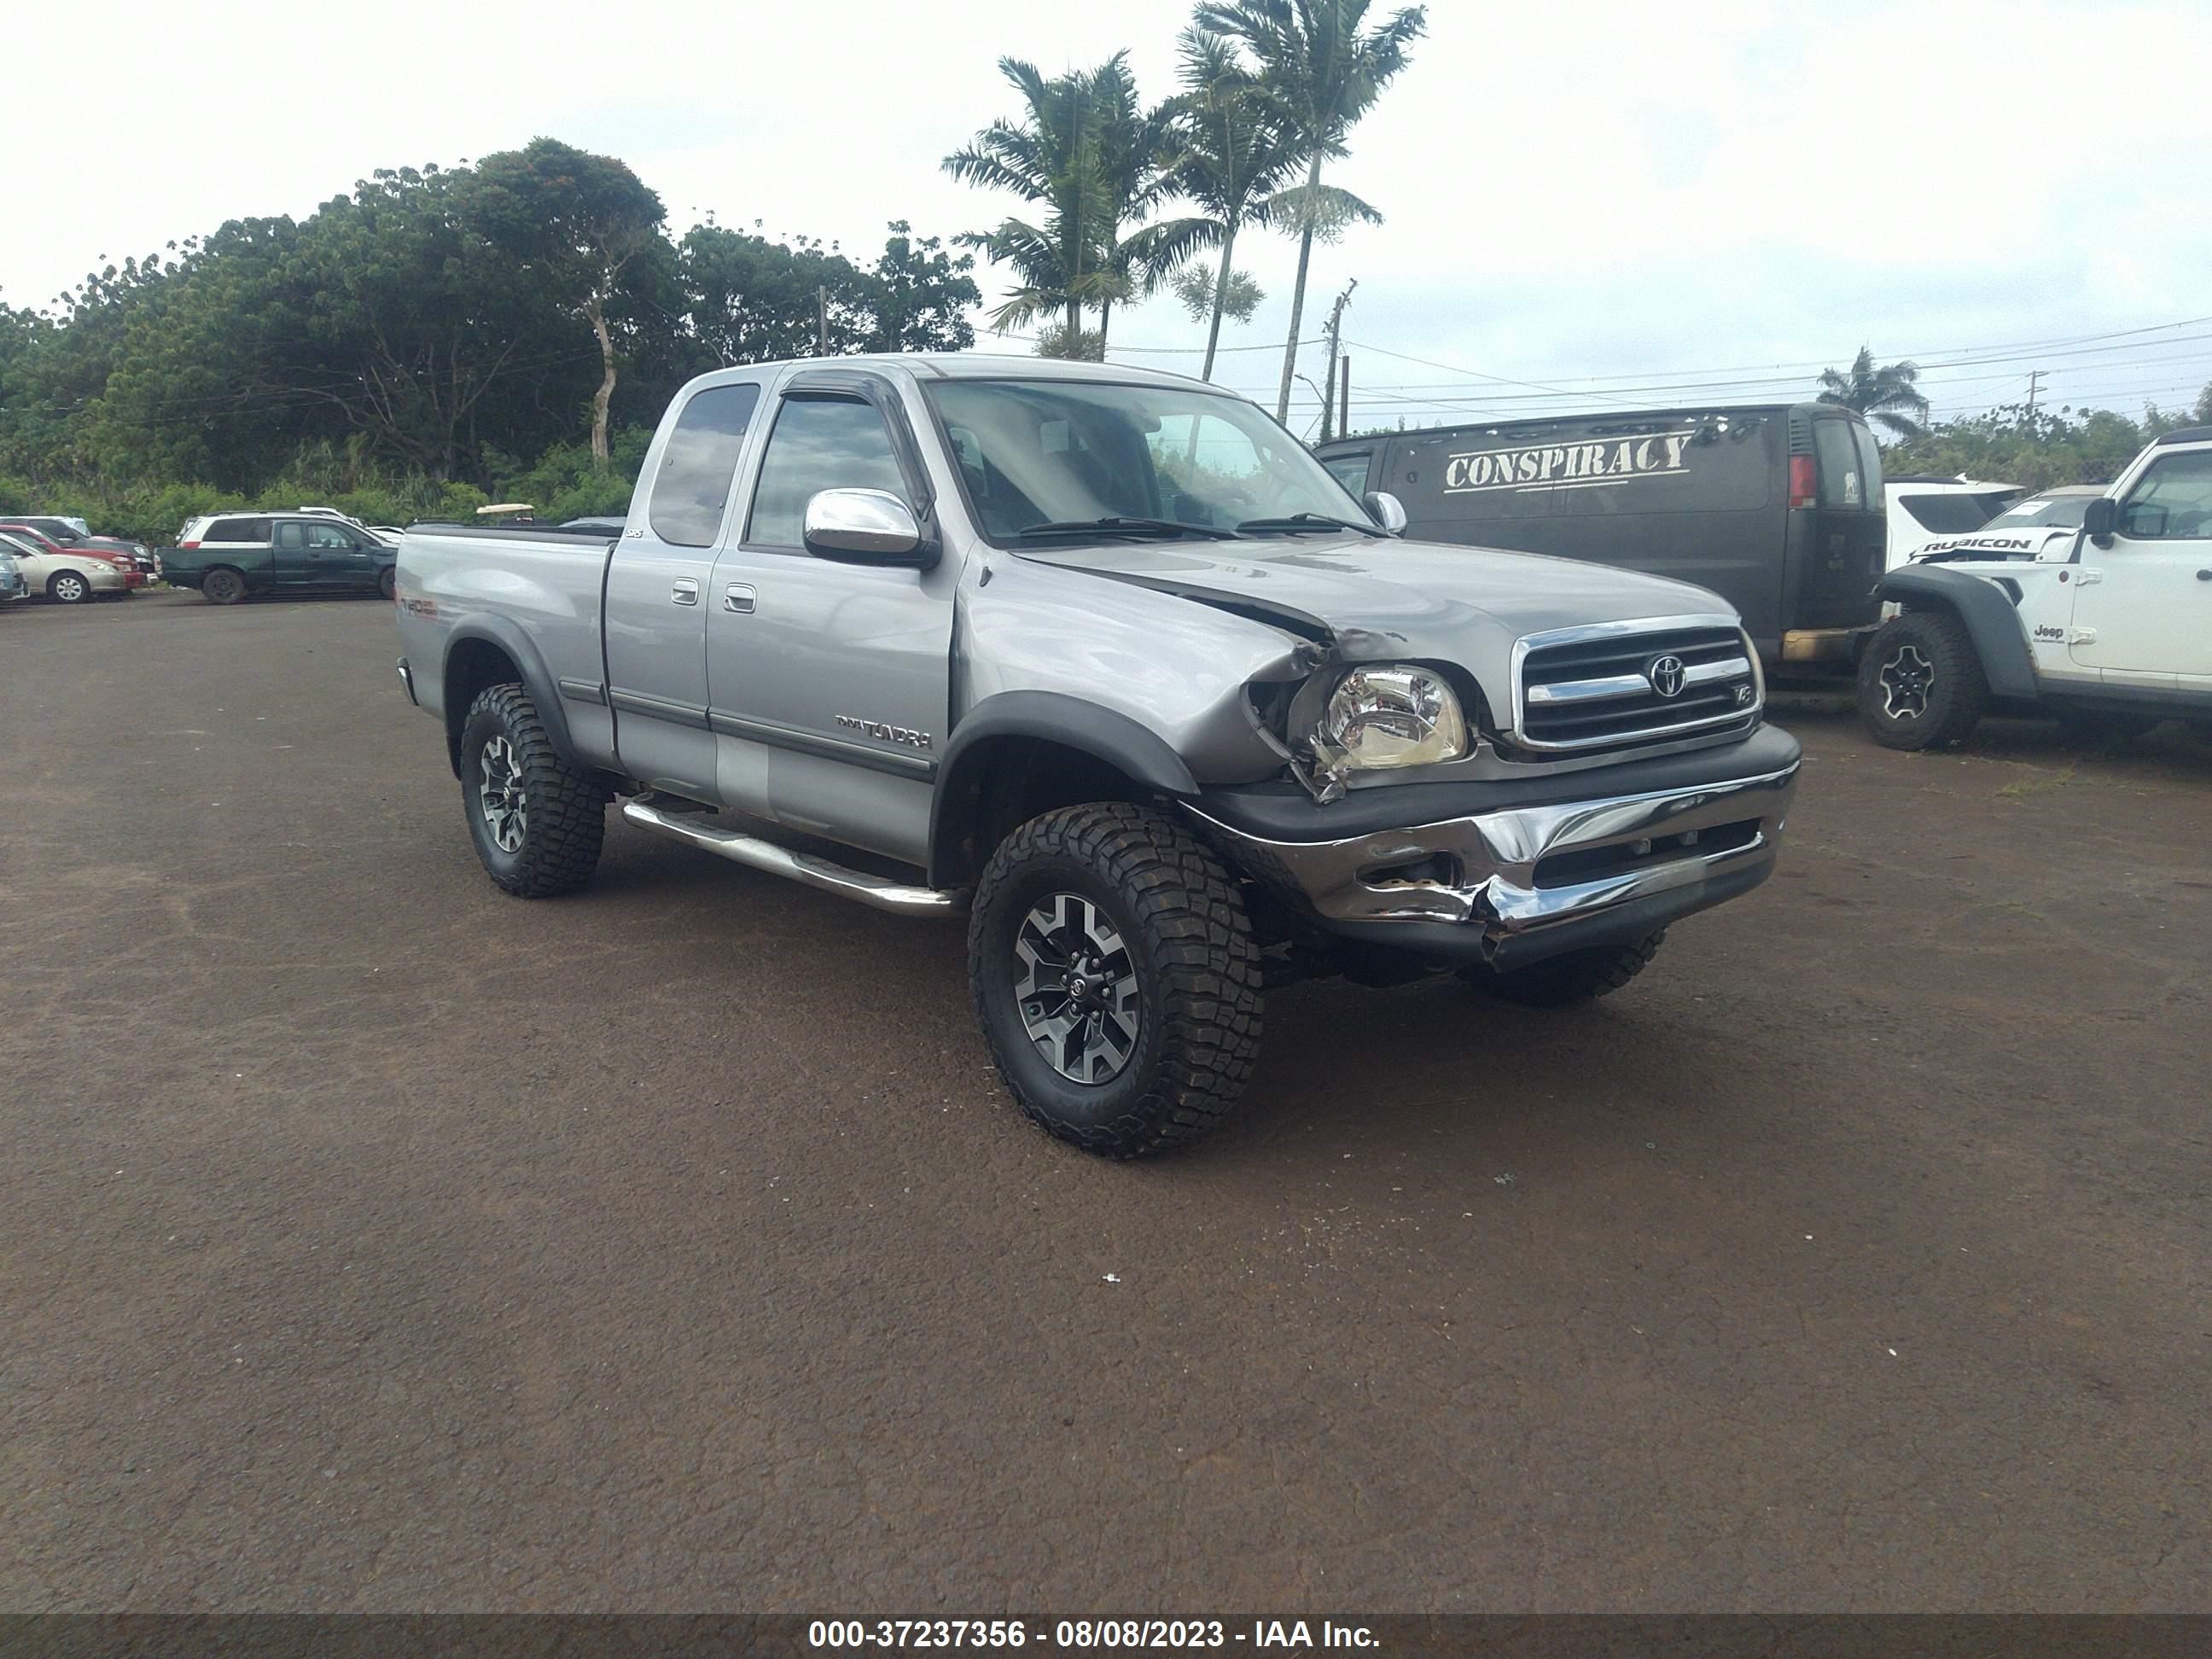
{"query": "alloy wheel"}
(499, 791)
(1907, 679)
(1075, 984)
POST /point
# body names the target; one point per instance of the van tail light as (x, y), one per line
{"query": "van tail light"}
(1802, 490)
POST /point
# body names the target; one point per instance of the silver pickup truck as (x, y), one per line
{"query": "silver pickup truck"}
(1104, 660)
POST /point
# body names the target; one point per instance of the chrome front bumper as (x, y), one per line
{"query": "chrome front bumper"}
(1528, 882)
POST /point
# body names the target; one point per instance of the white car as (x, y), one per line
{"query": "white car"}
(69, 578)
(1925, 511)
(2108, 626)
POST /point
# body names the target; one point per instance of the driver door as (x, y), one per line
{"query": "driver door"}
(2147, 599)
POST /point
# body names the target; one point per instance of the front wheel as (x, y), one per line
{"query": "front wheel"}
(68, 588)
(1921, 684)
(537, 821)
(1116, 978)
(1571, 977)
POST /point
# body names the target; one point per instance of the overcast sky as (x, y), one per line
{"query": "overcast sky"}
(1629, 204)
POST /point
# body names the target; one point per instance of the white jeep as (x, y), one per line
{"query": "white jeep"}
(2109, 629)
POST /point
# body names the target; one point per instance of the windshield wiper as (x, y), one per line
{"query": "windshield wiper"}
(1122, 526)
(1297, 521)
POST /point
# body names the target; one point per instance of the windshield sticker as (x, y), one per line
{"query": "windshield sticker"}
(1567, 466)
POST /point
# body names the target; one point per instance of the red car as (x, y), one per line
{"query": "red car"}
(84, 548)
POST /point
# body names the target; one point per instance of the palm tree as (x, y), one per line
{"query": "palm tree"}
(1319, 72)
(1135, 159)
(1048, 158)
(1235, 159)
(1886, 394)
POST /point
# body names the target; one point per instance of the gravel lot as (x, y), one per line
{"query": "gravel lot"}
(375, 1241)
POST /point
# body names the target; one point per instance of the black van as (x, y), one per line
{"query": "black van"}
(1778, 507)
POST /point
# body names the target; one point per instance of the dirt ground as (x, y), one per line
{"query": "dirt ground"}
(375, 1241)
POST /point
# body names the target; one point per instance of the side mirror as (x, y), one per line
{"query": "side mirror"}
(864, 526)
(2101, 520)
(1385, 509)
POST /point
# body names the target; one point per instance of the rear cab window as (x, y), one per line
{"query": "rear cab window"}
(699, 464)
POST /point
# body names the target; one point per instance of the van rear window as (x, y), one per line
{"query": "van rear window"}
(1843, 472)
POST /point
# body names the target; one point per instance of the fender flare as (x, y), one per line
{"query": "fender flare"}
(1991, 620)
(1135, 751)
(522, 652)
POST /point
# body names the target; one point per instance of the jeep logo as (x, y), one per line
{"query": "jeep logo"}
(1667, 675)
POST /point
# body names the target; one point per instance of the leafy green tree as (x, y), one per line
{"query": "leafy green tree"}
(919, 296)
(1135, 157)
(581, 221)
(1320, 70)
(1233, 159)
(1886, 395)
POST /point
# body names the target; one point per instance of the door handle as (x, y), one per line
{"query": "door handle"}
(739, 597)
(687, 593)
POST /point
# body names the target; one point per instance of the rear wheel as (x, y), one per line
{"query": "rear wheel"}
(1116, 978)
(387, 580)
(537, 821)
(1574, 976)
(69, 587)
(1920, 684)
(220, 587)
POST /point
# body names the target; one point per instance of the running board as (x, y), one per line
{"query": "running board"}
(802, 867)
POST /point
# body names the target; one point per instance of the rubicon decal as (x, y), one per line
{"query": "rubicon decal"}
(1568, 467)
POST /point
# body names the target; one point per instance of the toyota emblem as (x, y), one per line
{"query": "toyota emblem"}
(1666, 676)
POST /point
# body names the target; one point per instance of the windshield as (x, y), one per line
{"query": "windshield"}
(1063, 453)
(2043, 512)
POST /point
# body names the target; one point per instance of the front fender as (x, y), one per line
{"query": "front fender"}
(1988, 612)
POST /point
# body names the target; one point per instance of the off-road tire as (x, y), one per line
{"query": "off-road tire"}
(69, 587)
(564, 814)
(1574, 976)
(1189, 944)
(222, 585)
(2103, 728)
(387, 581)
(1921, 684)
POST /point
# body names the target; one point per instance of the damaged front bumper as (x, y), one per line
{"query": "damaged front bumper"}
(1533, 879)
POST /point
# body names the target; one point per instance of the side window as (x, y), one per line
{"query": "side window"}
(238, 529)
(819, 443)
(329, 535)
(2173, 503)
(700, 464)
(1351, 472)
(291, 536)
(1843, 478)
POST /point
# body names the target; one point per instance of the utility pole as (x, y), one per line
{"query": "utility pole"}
(1335, 332)
(822, 322)
(1344, 397)
(2032, 385)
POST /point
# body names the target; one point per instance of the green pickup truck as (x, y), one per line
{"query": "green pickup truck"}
(233, 556)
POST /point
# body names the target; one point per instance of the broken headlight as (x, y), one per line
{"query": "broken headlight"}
(1387, 715)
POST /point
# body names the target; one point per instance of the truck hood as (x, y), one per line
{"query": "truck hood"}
(1369, 599)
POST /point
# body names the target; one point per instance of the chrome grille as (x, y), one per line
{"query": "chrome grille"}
(1607, 686)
